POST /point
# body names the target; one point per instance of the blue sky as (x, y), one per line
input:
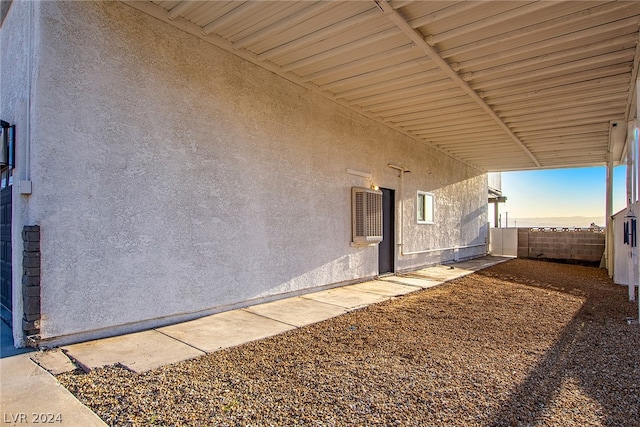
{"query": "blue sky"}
(561, 192)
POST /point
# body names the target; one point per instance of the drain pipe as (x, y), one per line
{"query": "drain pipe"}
(402, 171)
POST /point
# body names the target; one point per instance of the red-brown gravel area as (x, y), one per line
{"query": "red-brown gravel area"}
(522, 343)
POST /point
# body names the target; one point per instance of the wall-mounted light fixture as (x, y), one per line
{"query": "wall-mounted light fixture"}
(367, 175)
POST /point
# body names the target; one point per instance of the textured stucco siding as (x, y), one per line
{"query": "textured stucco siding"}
(18, 40)
(172, 178)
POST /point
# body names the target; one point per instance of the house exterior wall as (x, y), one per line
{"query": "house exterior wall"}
(18, 65)
(506, 241)
(621, 258)
(172, 179)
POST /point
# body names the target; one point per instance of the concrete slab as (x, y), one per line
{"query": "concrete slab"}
(6, 342)
(140, 352)
(29, 391)
(481, 263)
(445, 273)
(54, 361)
(386, 288)
(420, 282)
(297, 311)
(346, 298)
(225, 330)
(441, 273)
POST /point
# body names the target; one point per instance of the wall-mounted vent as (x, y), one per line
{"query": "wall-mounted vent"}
(366, 212)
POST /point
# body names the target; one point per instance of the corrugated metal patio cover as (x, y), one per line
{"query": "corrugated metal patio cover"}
(501, 85)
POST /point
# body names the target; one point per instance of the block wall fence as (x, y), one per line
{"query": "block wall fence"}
(554, 244)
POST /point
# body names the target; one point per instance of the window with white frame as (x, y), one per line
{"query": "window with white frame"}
(425, 207)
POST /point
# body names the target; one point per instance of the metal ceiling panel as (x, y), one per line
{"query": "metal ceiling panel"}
(500, 85)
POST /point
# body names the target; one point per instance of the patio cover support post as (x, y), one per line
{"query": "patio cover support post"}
(629, 186)
(496, 212)
(631, 205)
(608, 254)
(635, 143)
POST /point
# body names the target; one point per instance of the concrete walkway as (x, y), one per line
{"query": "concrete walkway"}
(28, 386)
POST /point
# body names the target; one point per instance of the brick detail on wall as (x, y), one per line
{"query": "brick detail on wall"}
(31, 279)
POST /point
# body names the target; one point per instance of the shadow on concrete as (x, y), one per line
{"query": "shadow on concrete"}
(6, 346)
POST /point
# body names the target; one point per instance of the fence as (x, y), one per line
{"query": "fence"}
(566, 244)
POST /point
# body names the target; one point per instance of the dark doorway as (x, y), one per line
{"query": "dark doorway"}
(5, 253)
(386, 248)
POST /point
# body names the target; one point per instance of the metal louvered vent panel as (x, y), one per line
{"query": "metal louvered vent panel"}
(374, 215)
(367, 216)
(359, 214)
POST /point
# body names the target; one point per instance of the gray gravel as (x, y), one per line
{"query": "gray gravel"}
(522, 343)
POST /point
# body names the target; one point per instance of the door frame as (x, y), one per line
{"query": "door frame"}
(388, 232)
(7, 211)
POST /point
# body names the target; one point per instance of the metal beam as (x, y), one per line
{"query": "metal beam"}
(284, 23)
(419, 41)
(445, 103)
(531, 30)
(345, 48)
(468, 117)
(411, 90)
(590, 33)
(570, 100)
(548, 117)
(573, 67)
(420, 99)
(488, 22)
(350, 67)
(179, 9)
(433, 113)
(392, 70)
(317, 35)
(469, 123)
(375, 88)
(446, 132)
(633, 96)
(608, 45)
(444, 13)
(611, 73)
(227, 17)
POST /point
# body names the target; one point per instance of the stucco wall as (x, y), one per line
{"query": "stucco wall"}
(18, 37)
(172, 178)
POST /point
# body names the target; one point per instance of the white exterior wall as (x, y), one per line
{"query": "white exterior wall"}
(621, 251)
(495, 180)
(503, 241)
(172, 179)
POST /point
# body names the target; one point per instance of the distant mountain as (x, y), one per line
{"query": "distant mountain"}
(567, 221)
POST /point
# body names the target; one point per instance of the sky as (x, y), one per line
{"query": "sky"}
(560, 193)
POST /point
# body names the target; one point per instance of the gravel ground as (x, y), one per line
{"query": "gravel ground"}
(521, 343)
